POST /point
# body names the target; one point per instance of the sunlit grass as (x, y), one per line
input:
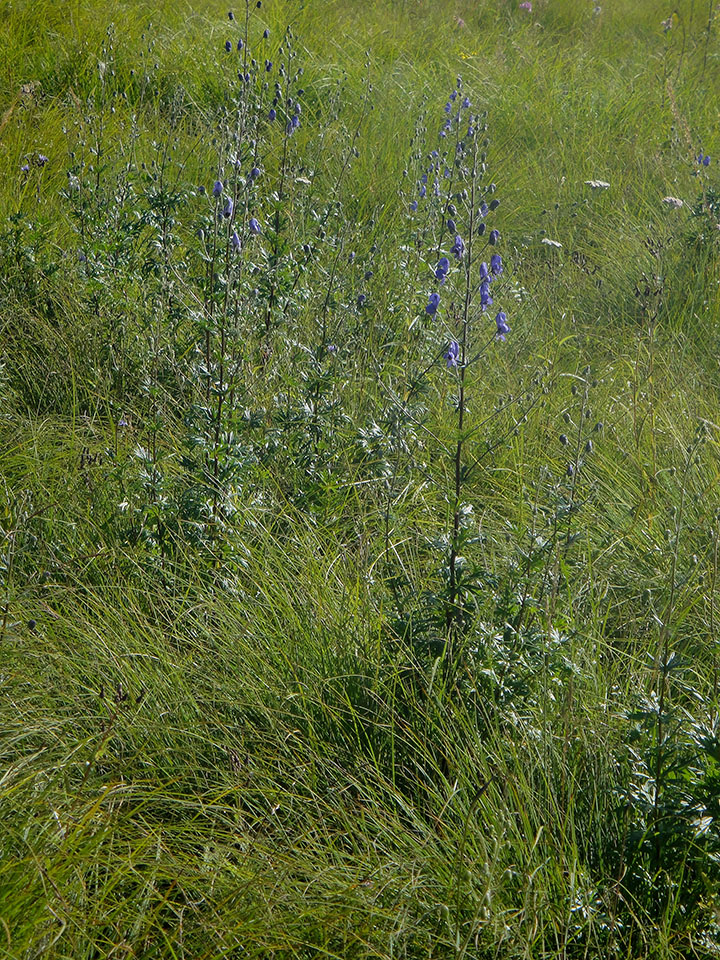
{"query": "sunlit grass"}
(265, 752)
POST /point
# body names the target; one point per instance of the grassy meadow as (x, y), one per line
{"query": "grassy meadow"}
(359, 479)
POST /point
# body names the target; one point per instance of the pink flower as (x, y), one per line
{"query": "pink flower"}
(526, 5)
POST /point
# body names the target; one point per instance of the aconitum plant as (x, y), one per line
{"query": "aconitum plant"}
(242, 251)
(466, 270)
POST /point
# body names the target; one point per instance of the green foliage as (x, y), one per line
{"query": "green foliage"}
(312, 645)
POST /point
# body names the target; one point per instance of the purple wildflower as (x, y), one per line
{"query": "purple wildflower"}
(441, 271)
(433, 304)
(413, 205)
(254, 225)
(272, 114)
(361, 299)
(451, 225)
(458, 248)
(502, 326)
(266, 33)
(254, 173)
(496, 264)
(484, 274)
(228, 45)
(485, 298)
(235, 240)
(228, 208)
(217, 188)
(452, 354)
(493, 238)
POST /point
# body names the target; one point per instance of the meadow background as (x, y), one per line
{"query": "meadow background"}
(277, 681)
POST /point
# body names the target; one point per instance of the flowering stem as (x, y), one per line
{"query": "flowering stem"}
(454, 612)
(209, 302)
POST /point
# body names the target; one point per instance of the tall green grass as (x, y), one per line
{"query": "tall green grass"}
(267, 753)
